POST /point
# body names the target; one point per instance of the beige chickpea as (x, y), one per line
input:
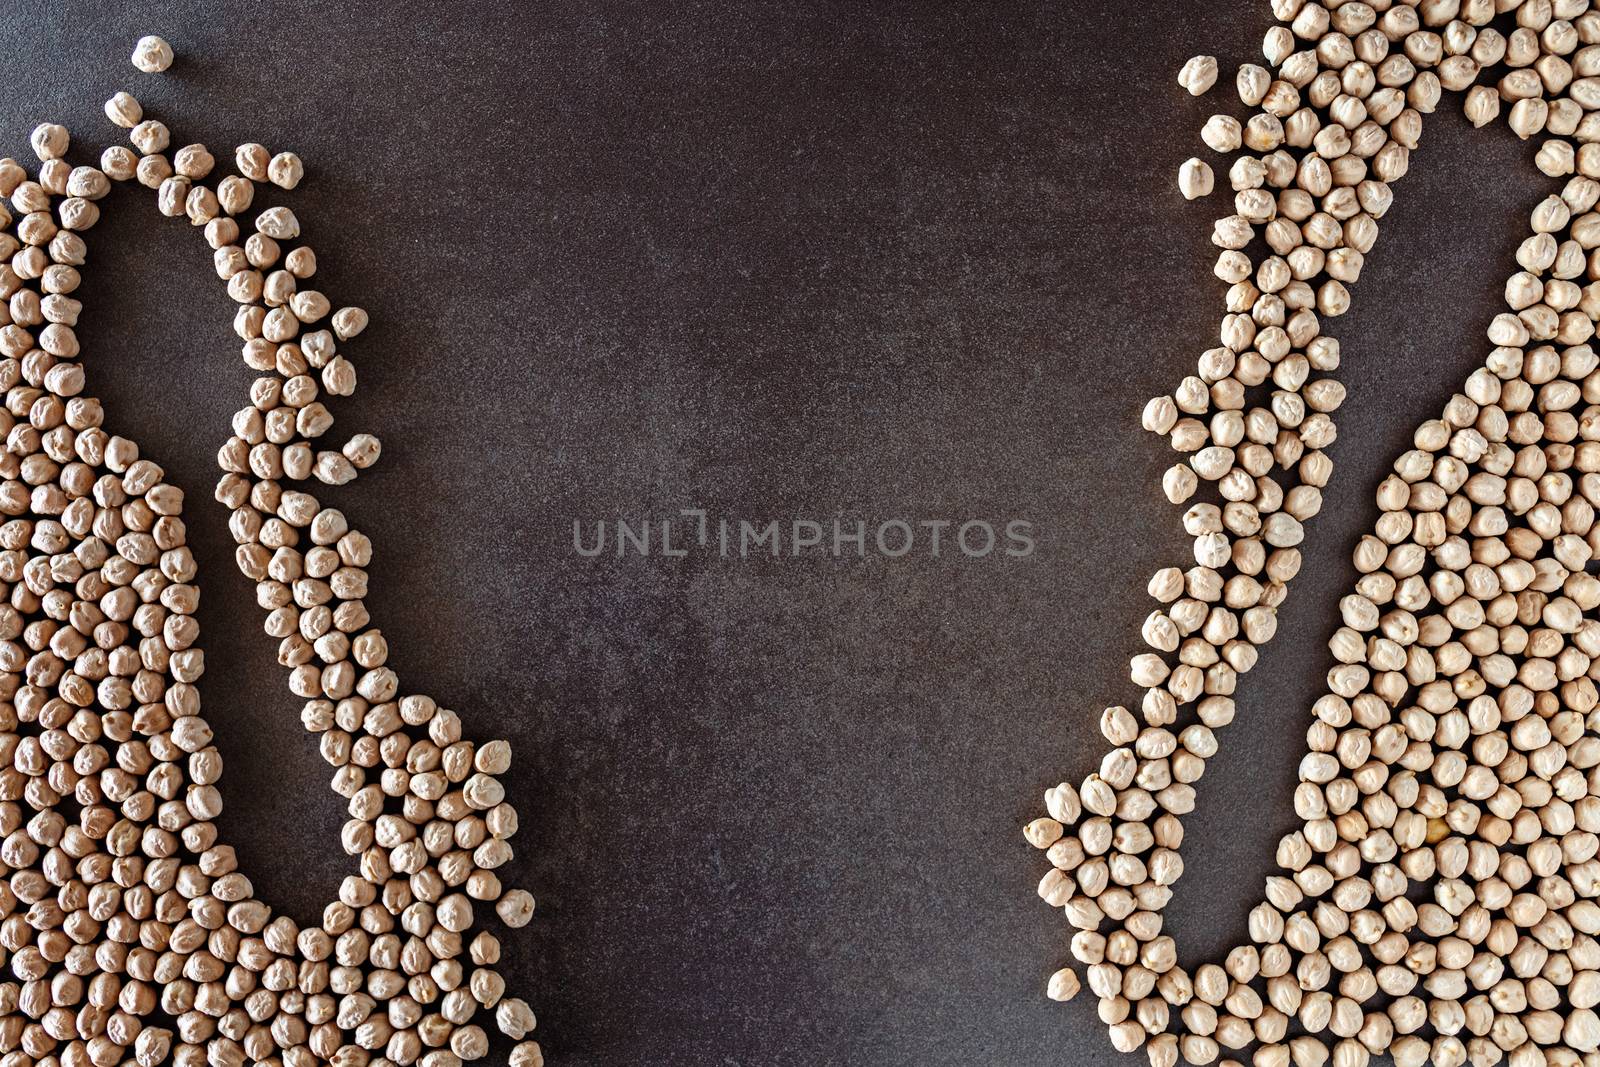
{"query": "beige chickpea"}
(1195, 179)
(49, 141)
(279, 223)
(124, 111)
(235, 194)
(348, 322)
(285, 170)
(1222, 133)
(152, 54)
(118, 163)
(301, 262)
(1198, 75)
(527, 1054)
(150, 137)
(252, 161)
(516, 908)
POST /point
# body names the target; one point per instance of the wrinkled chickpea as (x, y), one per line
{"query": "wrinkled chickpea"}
(285, 170)
(1198, 75)
(1195, 179)
(123, 110)
(152, 54)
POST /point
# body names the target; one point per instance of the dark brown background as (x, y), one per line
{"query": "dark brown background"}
(778, 260)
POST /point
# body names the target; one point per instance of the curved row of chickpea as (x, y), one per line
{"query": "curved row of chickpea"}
(1455, 747)
(127, 925)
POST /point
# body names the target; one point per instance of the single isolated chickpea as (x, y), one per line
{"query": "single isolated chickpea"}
(152, 54)
(1195, 179)
(1198, 75)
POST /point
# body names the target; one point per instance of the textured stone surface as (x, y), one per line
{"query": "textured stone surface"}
(778, 261)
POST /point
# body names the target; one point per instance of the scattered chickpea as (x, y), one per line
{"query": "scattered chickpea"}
(193, 161)
(150, 137)
(152, 54)
(349, 322)
(252, 160)
(1063, 984)
(527, 1054)
(1222, 133)
(285, 170)
(1198, 75)
(123, 110)
(1195, 179)
(50, 141)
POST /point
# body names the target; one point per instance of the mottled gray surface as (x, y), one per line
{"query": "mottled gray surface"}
(778, 260)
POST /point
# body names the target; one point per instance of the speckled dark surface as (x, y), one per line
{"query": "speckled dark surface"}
(776, 260)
